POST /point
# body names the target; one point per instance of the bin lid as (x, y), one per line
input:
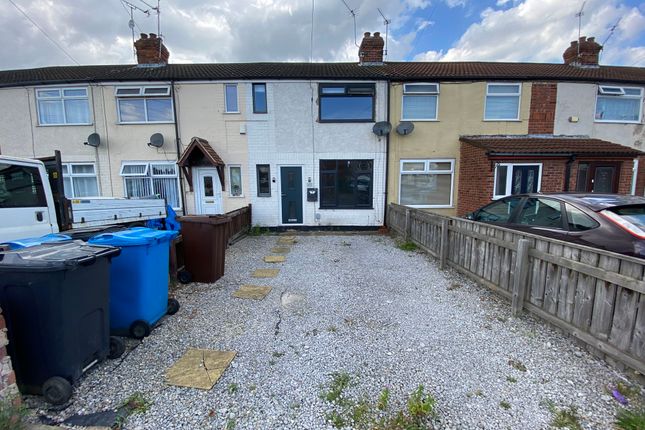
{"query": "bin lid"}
(54, 256)
(134, 236)
(32, 241)
(205, 219)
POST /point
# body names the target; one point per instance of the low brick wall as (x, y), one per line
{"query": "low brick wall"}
(8, 387)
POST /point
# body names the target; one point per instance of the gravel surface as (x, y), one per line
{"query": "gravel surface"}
(360, 305)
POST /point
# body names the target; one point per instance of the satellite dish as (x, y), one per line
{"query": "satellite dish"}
(156, 140)
(405, 128)
(382, 128)
(93, 140)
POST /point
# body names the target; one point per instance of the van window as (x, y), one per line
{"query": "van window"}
(21, 187)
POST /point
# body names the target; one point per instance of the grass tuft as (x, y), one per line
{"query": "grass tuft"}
(504, 405)
(12, 415)
(408, 246)
(627, 419)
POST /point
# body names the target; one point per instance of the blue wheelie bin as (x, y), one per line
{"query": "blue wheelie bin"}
(138, 279)
(34, 241)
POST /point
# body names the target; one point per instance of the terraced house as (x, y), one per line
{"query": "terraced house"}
(330, 144)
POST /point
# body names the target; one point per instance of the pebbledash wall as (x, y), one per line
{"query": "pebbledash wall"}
(290, 134)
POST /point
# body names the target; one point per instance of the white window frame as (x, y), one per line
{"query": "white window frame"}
(62, 97)
(509, 174)
(69, 173)
(237, 98)
(230, 183)
(518, 95)
(606, 91)
(428, 171)
(142, 94)
(150, 176)
(426, 93)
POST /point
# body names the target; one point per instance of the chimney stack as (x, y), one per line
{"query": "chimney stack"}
(583, 52)
(151, 50)
(371, 50)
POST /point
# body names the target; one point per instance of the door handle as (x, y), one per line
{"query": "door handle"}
(39, 216)
(283, 194)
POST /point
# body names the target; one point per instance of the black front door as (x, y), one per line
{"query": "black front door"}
(525, 179)
(291, 187)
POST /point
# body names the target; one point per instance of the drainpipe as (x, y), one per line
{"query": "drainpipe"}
(178, 143)
(387, 155)
(567, 172)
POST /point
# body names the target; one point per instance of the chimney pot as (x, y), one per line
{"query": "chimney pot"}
(582, 52)
(366, 34)
(591, 39)
(144, 36)
(371, 49)
(581, 39)
(377, 34)
(151, 50)
(153, 36)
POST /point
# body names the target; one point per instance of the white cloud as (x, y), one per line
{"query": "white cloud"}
(540, 30)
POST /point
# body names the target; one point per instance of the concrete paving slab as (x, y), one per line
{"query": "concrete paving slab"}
(199, 368)
(281, 250)
(275, 259)
(265, 273)
(255, 292)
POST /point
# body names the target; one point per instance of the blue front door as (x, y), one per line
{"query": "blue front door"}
(291, 187)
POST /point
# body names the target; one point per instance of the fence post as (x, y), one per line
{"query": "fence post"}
(408, 225)
(443, 251)
(520, 279)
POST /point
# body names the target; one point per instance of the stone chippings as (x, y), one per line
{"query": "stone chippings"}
(356, 304)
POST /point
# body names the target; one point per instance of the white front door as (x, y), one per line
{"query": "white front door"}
(208, 192)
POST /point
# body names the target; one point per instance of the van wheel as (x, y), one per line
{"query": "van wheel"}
(57, 390)
(139, 329)
(173, 306)
(117, 348)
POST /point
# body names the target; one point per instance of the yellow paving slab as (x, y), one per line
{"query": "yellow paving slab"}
(288, 237)
(199, 368)
(275, 259)
(281, 250)
(265, 273)
(255, 292)
(286, 241)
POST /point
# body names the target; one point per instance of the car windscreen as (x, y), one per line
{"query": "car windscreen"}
(634, 214)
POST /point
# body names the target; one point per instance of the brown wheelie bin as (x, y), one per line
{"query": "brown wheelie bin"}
(205, 240)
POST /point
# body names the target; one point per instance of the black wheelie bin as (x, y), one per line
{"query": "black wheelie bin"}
(55, 300)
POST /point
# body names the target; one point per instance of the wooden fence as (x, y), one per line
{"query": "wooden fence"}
(240, 222)
(594, 295)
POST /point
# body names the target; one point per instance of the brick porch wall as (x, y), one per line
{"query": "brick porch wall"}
(8, 387)
(640, 178)
(542, 109)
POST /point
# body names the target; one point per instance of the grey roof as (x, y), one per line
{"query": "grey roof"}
(395, 71)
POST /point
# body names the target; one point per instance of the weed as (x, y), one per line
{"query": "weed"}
(408, 246)
(257, 230)
(627, 390)
(505, 405)
(340, 381)
(335, 419)
(566, 418)
(479, 393)
(137, 404)
(253, 387)
(332, 329)
(511, 379)
(502, 319)
(360, 411)
(346, 243)
(420, 404)
(454, 286)
(277, 354)
(518, 365)
(383, 400)
(272, 362)
(230, 424)
(630, 420)
(232, 388)
(12, 415)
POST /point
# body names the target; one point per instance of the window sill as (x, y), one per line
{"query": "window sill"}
(420, 120)
(235, 197)
(502, 120)
(344, 121)
(232, 113)
(265, 195)
(345, 209)
(145, 123)
(430, 206)
(66, 125)
(610, 121)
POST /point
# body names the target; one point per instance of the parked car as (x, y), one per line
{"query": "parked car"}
(613, 222)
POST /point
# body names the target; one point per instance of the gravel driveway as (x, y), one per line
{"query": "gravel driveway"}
(355, 304)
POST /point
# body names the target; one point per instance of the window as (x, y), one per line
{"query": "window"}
(60, 106)
(346, 102)
(516, 179)
(21, 187)
(230, 98)
(578, 220)
(235, 179)
(346, 184)
(420, 102)
(541, 212)
(144, 104)
(619, 104)
(259, 98)
(426, 183)
(146, 179)
(80, 180)
(264, 180)
(502, 102)
(498, 212)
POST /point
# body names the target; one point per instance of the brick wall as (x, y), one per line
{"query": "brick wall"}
(542, 110)
(475, 179)
(8, 388)
(640, 178)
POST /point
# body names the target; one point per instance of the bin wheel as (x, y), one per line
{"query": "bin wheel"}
(57, 390)
(139, 329)
(184, 276)
(117, 348)
(173, 306)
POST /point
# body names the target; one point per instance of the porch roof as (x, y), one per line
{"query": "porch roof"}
(548, 145)
(201, 145)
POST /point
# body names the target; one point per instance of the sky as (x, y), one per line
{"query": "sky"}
(198, 31)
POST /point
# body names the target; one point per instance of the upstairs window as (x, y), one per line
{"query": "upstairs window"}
(148, 179)
(420, 102)
(346, 102)
(80, 180)
(619, 104)
(63, 106)
(259, 98)
(502, 102)
(230, 98)
(139, 105)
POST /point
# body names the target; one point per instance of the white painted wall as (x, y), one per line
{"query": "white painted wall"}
(579, 100)
(290, 135)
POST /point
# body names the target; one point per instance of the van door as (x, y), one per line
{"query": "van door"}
(24, 211)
